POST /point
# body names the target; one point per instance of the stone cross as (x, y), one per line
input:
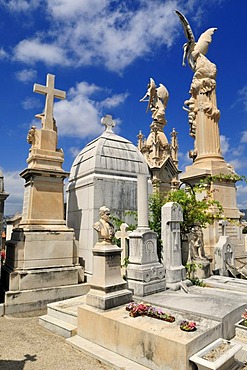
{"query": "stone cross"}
(223, 224)
(51, 93)
(123, 235)
(108, 122)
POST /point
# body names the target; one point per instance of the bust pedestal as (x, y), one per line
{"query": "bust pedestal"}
(108, 289)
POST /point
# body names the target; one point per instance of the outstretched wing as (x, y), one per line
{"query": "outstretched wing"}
(186, 26)
(204, 40)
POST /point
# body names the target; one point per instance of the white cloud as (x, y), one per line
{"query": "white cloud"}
(3, 54)
(14, 186)
(244, 137)
(101, 32)
(30, 103)
(79, 115)
(74, 151)
(243, 96)
(241, 195)
(114, 100)
(26, 75)
(224, 144)
(31, 51)
(20, 5)
(73, 8)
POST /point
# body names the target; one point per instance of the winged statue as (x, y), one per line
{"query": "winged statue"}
(193, 49)
(157, 98)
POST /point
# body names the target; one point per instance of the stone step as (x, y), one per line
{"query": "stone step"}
(64, 313)
(58, 326)
(67, 317)
(105, 356)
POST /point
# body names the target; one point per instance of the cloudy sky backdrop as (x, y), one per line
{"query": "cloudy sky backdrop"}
(103, 53)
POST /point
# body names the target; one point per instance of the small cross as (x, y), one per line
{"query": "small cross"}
(223, 224)
(108, 122)
(51, 93)
(123, 235)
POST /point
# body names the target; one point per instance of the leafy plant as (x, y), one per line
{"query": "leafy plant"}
(198, 205)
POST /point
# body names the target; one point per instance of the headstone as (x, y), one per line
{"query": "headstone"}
(145, 274)
(171, 217)
(42, 261)
(224, 256)
(107, 287)
(104, 172)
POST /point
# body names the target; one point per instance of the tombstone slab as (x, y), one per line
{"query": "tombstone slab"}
(171, 216)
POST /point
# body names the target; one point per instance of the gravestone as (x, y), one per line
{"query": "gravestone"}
(145, 274)
(104, 172)
(42, 262)
(171, 217)
(224, 256)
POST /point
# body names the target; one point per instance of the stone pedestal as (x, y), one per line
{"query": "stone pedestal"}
(202, 270)
(108, 289)
(145, 274)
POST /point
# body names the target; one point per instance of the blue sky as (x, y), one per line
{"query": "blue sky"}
(103, 53)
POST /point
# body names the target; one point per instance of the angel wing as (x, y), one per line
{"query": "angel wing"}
(189, 46)
(204, 40)
(187, 29)
(162, 94)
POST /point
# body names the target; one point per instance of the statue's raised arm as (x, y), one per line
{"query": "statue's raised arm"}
(193, 49)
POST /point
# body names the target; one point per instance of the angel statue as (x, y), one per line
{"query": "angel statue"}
(202, 90)
(193, 49)
(157, 100)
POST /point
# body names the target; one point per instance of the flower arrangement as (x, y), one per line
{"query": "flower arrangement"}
(188, 325)
(244, 316)
(145, 309)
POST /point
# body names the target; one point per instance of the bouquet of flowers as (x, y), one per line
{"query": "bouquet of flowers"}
(145, 309)
(188, 325)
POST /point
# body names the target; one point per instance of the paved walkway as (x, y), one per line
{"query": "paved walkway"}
(25, 345)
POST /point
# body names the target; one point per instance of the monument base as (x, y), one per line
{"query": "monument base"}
(202, 270)
(146, 279)
(108, 289)
(16, 302)
(145, 274)
(39, 261)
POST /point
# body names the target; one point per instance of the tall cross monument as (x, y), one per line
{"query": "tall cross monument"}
(42, 259)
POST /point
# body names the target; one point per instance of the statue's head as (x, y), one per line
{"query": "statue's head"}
(104, 212)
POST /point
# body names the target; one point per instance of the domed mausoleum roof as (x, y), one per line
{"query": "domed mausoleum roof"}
(109, 153)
